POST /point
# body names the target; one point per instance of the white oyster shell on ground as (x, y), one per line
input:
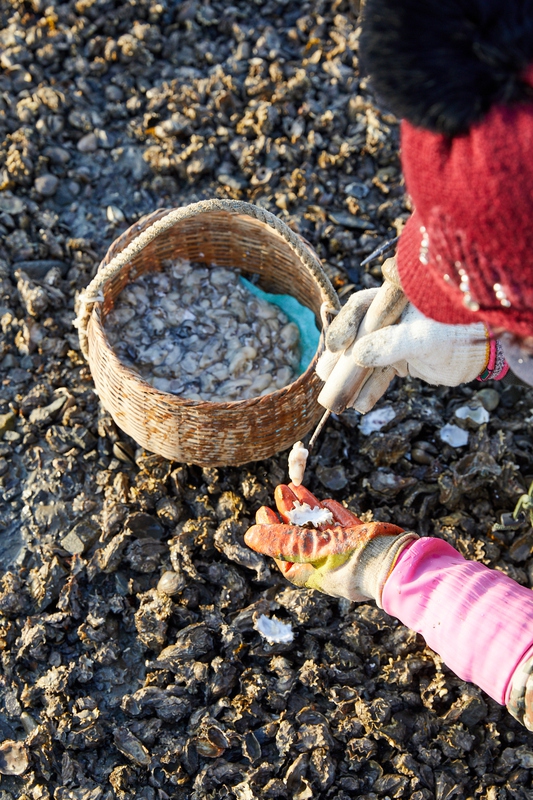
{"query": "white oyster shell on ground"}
(274, 630)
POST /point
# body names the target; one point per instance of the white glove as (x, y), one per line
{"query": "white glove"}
(343, 330)
(417, 346)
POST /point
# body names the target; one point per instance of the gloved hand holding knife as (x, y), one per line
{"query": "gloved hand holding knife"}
(417, 346)
(378, 335)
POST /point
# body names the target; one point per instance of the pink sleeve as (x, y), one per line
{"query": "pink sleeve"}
(477, 619)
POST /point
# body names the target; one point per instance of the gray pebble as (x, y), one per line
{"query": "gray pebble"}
(6, 220)
(350, 221)
(114, 93)
(46, 414)
(88, 143)
(170, 583)
(104, 139)
(72, 544)
(232, 181)
(333, 478)
(81, 536)
(489, 398)
(46, 185)
(74, 188)
(421, 456)
(38, 269)
(22, 80)
(7, 423)
(57, 155)
(11, 204)
(356, 189)
(17, 376)
(8, 362)
(133, 163)
(143, 526)
(114, 214)
(12, 437)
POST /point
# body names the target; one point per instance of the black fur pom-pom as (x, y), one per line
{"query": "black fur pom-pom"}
(442, 64)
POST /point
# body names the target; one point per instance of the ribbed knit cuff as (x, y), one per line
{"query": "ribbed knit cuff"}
(520, 692)
(497, 367)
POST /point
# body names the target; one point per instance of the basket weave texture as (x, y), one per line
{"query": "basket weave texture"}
(221, 233)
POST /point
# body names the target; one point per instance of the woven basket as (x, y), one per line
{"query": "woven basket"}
(224, 233)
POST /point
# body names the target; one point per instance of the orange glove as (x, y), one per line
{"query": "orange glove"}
(343, 557)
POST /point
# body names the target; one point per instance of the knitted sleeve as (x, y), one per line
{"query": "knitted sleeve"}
(477, 619)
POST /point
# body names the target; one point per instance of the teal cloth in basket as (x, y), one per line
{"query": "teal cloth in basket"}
(302, 317)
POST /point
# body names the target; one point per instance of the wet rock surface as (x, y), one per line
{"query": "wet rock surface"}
(131, 664)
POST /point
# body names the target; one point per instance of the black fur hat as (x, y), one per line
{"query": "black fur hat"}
(442, 64)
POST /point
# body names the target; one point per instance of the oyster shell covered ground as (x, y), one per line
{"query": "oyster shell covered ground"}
(131, 666)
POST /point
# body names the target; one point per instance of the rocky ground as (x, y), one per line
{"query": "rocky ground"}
(131, 667)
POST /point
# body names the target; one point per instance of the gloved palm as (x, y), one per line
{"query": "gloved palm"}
(417, 346)
(343, 558)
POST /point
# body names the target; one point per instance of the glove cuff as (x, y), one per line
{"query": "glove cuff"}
(520, 700)
(376, 562)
